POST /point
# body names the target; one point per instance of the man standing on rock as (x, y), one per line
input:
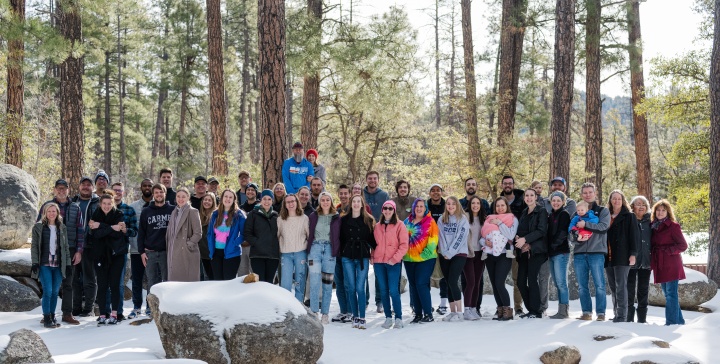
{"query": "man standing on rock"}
(151, 237)
(87, 286)
(136, 265)
(72, 217)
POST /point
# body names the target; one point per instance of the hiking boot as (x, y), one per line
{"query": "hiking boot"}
(427, 318)
(134, 314)
(585, 317)
(70, 320)
(47, 322)
(601, 317)
(53, 320)
(388, 323)
(507, 314)
(120, 317)
(562, 312)
(519, 312)
(498, 313)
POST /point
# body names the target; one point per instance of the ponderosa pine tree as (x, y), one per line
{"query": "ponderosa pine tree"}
(15, 86)
(311, 82)
(714, 247)
(563, 91)
(218, 124)
(593, 103)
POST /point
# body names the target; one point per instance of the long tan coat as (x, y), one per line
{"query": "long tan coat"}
(183, 254)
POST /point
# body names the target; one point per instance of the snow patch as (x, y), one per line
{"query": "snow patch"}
(643, 348)
(11, 279)
(691, 276)
(15, 255)
(4, 341)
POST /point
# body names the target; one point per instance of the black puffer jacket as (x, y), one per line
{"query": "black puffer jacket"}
(642, 243)
(533, 227)
(557, 232)
(106, 241)
(621, 238)
(261, 232)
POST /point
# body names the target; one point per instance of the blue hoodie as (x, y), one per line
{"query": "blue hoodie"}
(295, 174)
(375, 201)
(232, 246)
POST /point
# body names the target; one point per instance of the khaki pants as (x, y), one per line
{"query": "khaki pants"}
(517, 298)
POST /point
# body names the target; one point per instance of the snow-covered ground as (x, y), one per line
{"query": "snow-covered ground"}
(487, 341)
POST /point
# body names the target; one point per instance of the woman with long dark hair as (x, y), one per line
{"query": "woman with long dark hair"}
(225, 234)
(559, 250)
(391, 237)
(50, 256)
(474, 265)
(498, 233)
(261, 231)
(420, 259)
(621, 240)
(208, 205)
(293, 231)
(531, 253)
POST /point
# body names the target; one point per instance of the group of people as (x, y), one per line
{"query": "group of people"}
(298, 234)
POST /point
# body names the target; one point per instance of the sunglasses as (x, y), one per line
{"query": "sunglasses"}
(388, 208)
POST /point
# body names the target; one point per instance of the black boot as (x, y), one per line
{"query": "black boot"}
(54, 321)
(631, 314)
(641, 314)
(47, 322)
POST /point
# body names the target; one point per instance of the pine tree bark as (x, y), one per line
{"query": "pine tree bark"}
(271, 34)
(714, 247)
(258, 132)
(158, 140)
(637, 88)
(492, 99)
(452, 118)
(15, 89)
(470, 91)
(311, 81)
(245, 85)
(563, 88)
(218, 120)
(512, 34)
(72, 142)
(107, 151)
(593, 103)
(121, 105)
(252, 152)
(437, 63)
(289, 114)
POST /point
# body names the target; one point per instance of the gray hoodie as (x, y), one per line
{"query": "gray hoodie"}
(375, 201)
(598, 240)
(453, 236)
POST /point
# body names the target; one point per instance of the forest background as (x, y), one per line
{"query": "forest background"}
(213, 87)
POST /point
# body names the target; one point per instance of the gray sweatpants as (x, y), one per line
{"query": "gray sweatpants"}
(156, 268)
(543, 282)
(617, 278)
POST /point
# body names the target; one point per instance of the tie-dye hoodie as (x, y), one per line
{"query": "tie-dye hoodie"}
(423, 236)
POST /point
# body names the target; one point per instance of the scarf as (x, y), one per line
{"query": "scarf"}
(656, 224)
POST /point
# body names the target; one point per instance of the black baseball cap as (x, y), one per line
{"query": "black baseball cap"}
(297, 145)
(61, 182)
(201, 178)
(86, 178)
(213, 179)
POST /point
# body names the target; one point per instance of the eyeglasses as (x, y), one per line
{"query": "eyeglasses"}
(388, 208)
(118, 191)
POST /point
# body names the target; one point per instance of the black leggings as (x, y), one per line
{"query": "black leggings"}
(224, 269)
(108, 275)
(452, 269)
(528, 272)
(265, 268)
(498, 269)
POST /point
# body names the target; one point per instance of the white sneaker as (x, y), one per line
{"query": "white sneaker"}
(398, 324)
(388, 323)
(470, 314)
(380, 308)
(457, 317)
(325, 320)
(361, 324)
(356, 322)
(449, 317)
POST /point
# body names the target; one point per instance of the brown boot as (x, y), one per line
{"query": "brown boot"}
(68, 318)
(507, 313)
(498, 313)
(585, 317)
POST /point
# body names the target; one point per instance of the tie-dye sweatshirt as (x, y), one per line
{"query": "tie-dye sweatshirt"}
(423, 239)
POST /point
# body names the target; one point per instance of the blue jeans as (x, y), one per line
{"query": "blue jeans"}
(673, 313)
(418, 275)
(50, 279)
(321, 265)
(355, 274)
(587, 264)
(388, 277)
(559, 270)
(340, 291)
(122, 290)
(293, 263)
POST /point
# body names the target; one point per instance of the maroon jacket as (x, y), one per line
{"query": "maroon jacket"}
(334, 233)
(667, 242)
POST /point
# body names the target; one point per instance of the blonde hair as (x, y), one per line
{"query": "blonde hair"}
(459, 213)
(58, 219)
(666, 204)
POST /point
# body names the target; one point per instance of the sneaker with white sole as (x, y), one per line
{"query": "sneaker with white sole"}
(325, 320)
(398, 324)
(388, 323)
(102, 321)
(361, 324)
(441, 310)
(341, 317)
(380, 309)
(134, 314)
(470, 314)
(112, 320)
(355, 322)
(457, 317)
(449, 317)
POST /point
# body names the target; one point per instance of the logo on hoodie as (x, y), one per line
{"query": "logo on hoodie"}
(158, 221)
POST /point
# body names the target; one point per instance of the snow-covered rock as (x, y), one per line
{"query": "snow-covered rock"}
(15, 297)
(232, 322)
(19, 198)
(693, 291)
(23, 346)
(16, 263)
(566, 354)
(30, 283)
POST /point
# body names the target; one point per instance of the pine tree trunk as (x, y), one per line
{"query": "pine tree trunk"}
(289, 114)
(217, 89)
(158, 140)
(15, 90)
(563, 87)
(593, 102)
(107, 152)
(258, 127)
(271, 34)
(245, 86)
(121, 106)
(470, 106)
(492, 99)
(311, 82)
(183, 116)
(437, 63)
(252, 152)
(72, 142)
(714, 247)
(511, 45)
(452, 119)
(637, 88)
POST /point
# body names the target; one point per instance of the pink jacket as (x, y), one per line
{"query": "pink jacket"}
(392, 243)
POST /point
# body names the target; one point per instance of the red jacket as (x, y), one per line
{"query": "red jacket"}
(392, 243)
(667, 242)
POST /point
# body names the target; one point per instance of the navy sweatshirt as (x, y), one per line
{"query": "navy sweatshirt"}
(153, 225)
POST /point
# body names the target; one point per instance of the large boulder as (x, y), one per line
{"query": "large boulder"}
(15, 297)
(566, 354)
(23, 346)
(693, 291)
(19, 199)
(30, 283)
(232, 322)
(16, 263)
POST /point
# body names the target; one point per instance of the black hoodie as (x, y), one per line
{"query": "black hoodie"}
(153, 224)
(104, 240)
